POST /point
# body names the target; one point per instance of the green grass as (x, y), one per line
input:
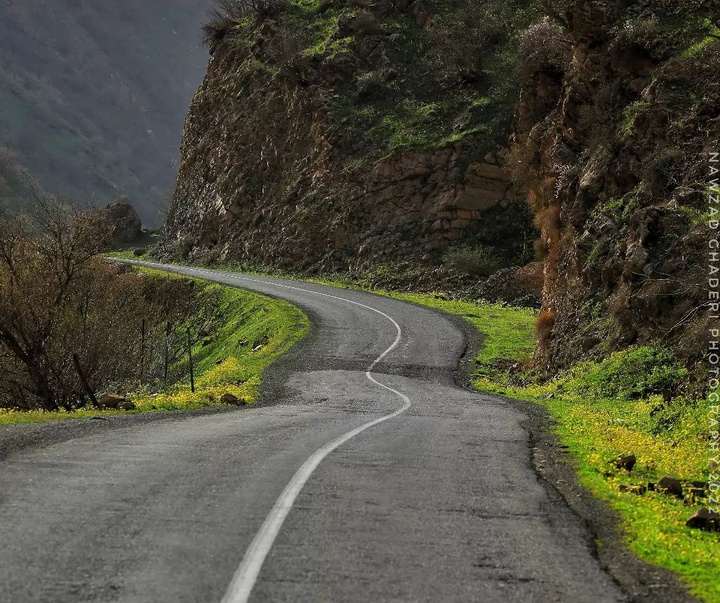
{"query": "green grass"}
(712, 35)
(126, 251)
(505, 329)
(227, 365)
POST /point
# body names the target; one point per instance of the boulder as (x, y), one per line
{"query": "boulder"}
(124, 221)
(670, 485)
(625, 462)
(232, 400)
(114, 401)
(698, 493)
(704, 519)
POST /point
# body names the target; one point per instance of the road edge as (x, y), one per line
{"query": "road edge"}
(553, 466)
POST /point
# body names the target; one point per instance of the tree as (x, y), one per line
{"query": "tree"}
(56, 298)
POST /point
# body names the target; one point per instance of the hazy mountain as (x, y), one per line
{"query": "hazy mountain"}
(93, 94)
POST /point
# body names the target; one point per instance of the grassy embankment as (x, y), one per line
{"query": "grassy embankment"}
(227, 365)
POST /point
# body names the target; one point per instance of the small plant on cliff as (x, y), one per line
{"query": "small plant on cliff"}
(632, 374)
(544, 327)
(229, 13)
(473, 261)
(543, 49)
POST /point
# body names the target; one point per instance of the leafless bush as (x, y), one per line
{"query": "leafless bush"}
(542, 48)
(473, 261)
(70, 323)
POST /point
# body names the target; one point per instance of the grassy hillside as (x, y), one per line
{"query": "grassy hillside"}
(93, 95)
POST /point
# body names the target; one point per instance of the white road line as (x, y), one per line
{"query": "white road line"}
(246, 575)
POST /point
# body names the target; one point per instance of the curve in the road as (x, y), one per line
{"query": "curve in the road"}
(249, 570)
(440, 504)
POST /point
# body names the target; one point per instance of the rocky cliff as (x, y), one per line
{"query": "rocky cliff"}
(614, 146)
(332, 135)
(338, 135)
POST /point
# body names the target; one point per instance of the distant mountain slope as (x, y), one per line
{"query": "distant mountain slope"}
(93, 95)
(18, 189)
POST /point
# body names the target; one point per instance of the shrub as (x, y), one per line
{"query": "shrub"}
(71, 324)
(543, 49)
(632, 374)
(229, 13)
(473, 261)
(365, 24)
(370, 85)
(543, 327)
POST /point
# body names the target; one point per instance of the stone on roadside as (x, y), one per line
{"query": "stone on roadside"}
(704, 519)
(698, 493)
(625, 462)
(112, 401)
(670, 485)
(232, 400)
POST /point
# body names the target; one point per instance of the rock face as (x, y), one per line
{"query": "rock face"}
(124, 221)
(275, 168)
(615, 145)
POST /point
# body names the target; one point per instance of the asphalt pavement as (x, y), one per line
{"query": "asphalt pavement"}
(365, 474)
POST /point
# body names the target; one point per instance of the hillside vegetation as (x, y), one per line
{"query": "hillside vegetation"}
(93, 94)
(18, 189)
(614, 148)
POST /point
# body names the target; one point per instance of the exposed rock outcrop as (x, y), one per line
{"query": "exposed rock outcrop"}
(277, 169)
(123, 220)
(615, 149)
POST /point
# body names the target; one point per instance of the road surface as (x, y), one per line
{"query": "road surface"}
(368, 475)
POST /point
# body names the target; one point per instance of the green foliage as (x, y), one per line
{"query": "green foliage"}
(630, 115)
(473, 261)
(629, 374)
(712, 35)
(424, 94)
(508, 332)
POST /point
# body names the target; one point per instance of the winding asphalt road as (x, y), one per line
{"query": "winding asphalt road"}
(370, 477)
